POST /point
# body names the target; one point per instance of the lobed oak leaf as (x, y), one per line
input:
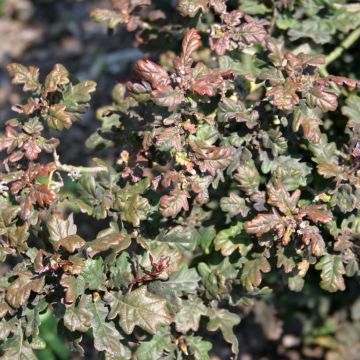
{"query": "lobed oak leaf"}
(332, 271)
(311, 235)
(251, 272)
(42, 194)
(191, 42)
(250, 33)
(28, 76)
(138, 308)
(70, 243)
(58, 76)
(280, 198)
(262, 223)
(171, 205)
(32, 149)
(212, 158)
(18, 292)
(317, 213)
(284, 96)
(309, 120)
(324, 100)
(153, 73)
(168, 97)
(58, 118)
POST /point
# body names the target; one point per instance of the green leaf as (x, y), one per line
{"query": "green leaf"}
(248, 177)
(93, 273)
(138, 308)
(188, 318)
(78, 317)
(121, 272)
(106, 337)
(59, 228)
(224, 320)
(58, 118)
(332, 271)
(136, 209)
(183, 281)
(234, 205)
(156, 346)
(231, 239)
(352, 111)
(251, 273)
(79, 93)
(206, 238)
(112, 17)
(199, 348)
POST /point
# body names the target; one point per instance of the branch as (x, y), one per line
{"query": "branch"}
(76, 169)
(345, 44)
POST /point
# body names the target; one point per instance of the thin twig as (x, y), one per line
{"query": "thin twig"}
(345, 44)
(76, 169)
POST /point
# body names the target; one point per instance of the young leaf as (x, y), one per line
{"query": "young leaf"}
(171, 205)
(28, 76)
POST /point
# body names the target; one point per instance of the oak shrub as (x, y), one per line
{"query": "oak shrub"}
(229, 180)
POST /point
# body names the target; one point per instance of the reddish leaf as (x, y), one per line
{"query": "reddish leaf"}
(153, 73)
(29, 76)
(341, 80)
(324, 100)
(309, 121)
(42, 195)
(168, 97)
(32, 150)
(171, 205)
(279, 197)
(317, 213)
(213, 158)
(312, 236)
(250, 33)
(262, 224)
(191, 42)
(284, 96)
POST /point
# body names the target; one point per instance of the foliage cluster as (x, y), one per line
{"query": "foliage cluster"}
(235, 173)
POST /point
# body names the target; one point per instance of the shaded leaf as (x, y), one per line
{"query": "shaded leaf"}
(332, 271)
(251, 273)
(188, 318)
(234, 205)
(224, 320)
